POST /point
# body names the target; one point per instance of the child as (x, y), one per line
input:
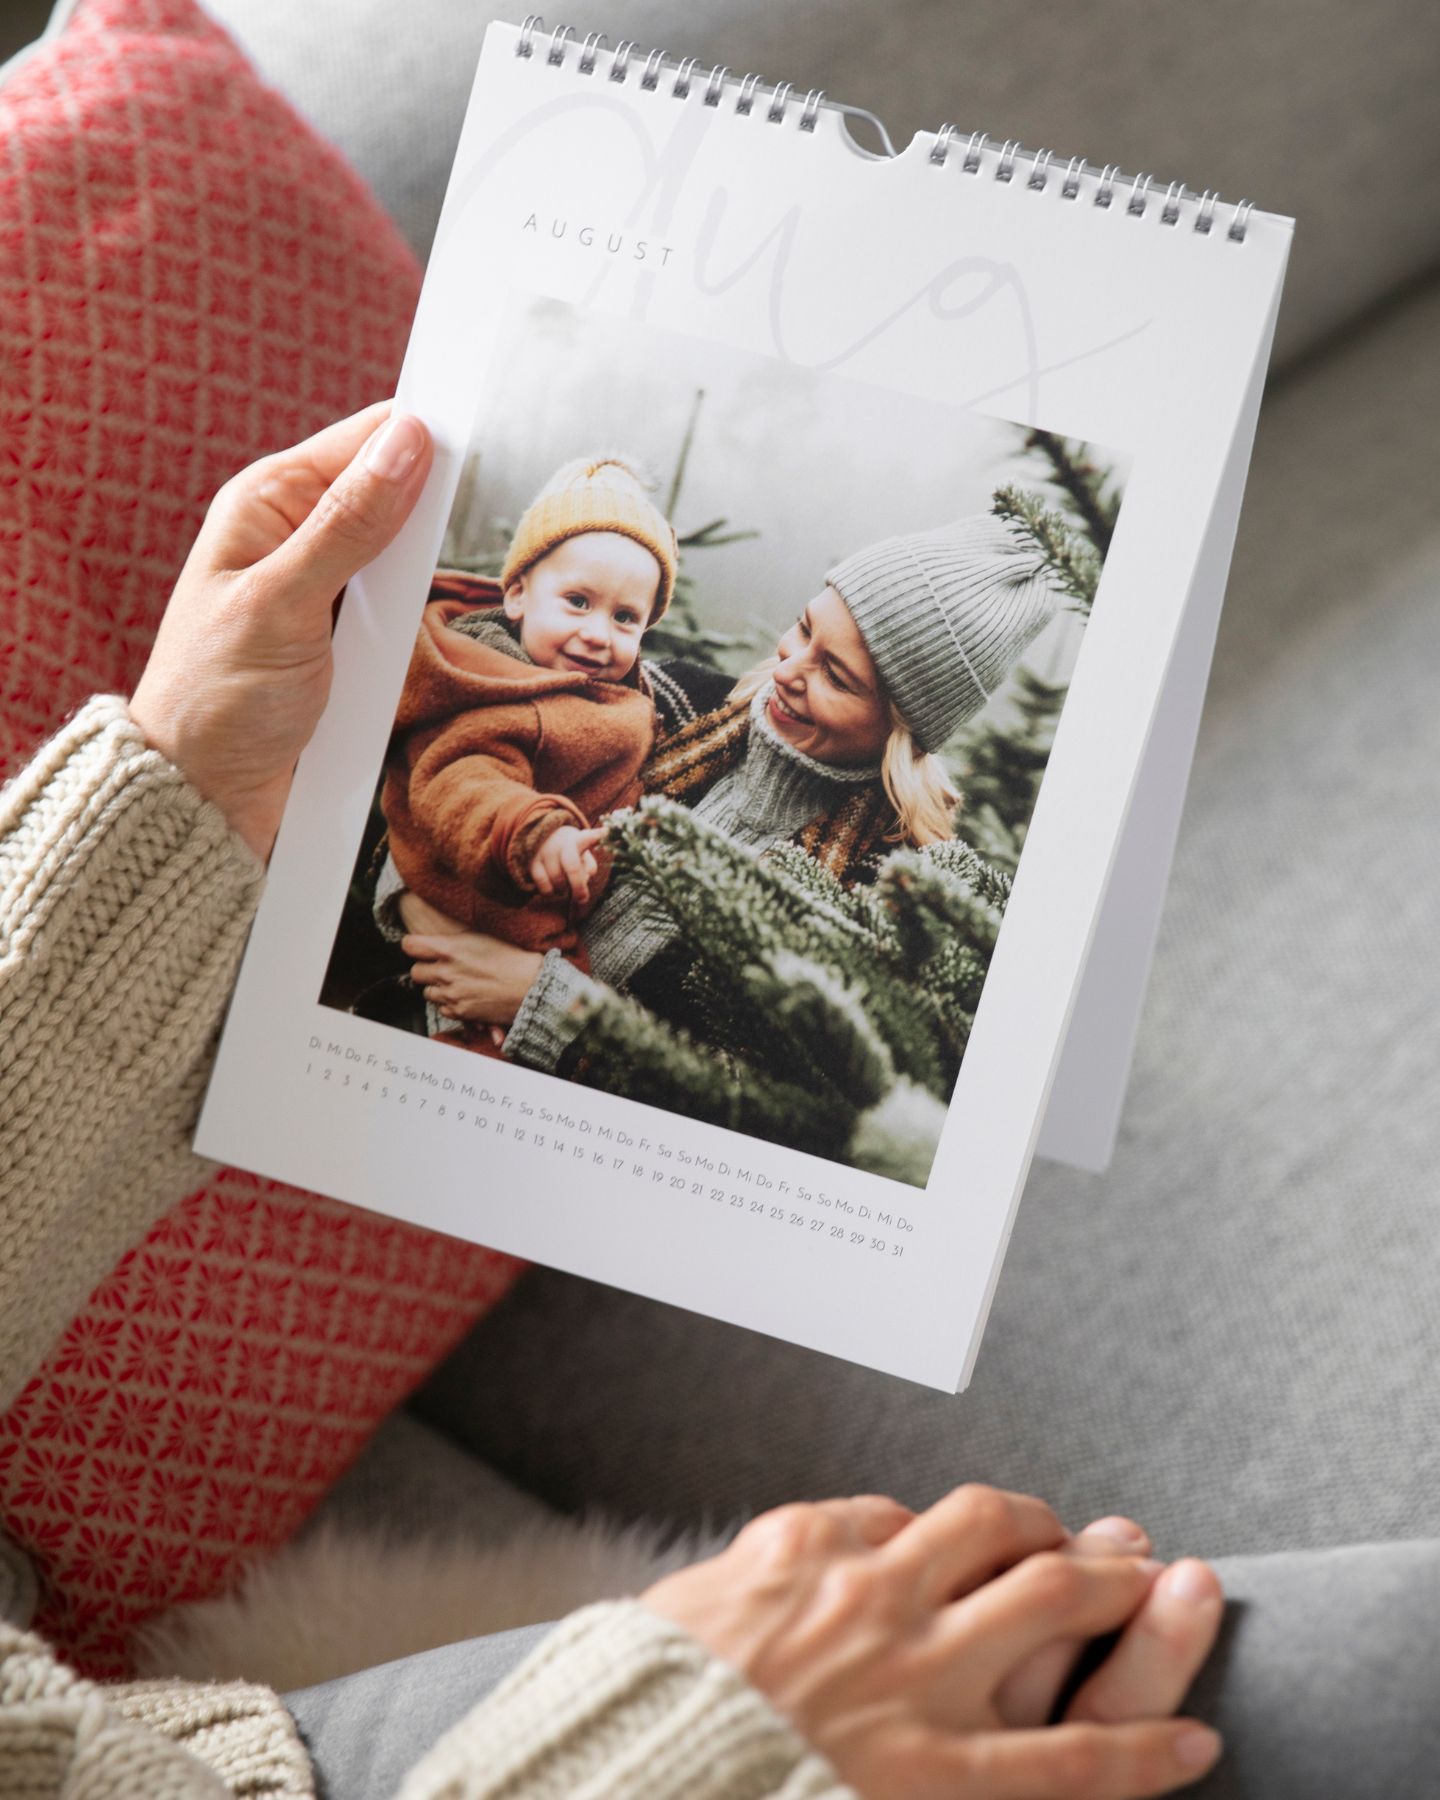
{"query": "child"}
(523, 723)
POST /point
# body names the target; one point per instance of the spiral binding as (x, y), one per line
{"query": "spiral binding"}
(1135, 191)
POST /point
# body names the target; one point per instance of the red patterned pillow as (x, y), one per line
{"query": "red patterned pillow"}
(189, 277)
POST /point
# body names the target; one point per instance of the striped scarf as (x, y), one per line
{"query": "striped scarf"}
(847, 840)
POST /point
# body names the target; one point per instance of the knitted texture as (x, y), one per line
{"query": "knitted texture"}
(189, 277)
(618, 1704)
(58, 1736)
(109, 989)
(63, 1735)
(764, 798)
(851, 822)
(548, 1020)
(241, 1730)
(946, 615)
(600, 493)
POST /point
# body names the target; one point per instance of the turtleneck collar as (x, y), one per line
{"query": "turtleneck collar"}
(763, 734)
(773, 791)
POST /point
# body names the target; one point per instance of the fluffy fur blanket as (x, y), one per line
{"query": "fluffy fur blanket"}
(340, 1599)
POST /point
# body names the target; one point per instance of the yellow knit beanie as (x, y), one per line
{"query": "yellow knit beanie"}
(594, 493)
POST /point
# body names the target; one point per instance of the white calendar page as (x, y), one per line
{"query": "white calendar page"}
(826, 349)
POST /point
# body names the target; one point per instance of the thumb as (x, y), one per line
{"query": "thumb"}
(359, 512)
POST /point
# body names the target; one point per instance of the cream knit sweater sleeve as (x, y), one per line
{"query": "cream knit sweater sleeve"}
(618, 1704)
(124, 904)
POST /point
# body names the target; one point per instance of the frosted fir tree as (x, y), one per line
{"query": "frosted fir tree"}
(1000, 768)
(830, 1019)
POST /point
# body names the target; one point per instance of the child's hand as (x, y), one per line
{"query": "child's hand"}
(567, 859)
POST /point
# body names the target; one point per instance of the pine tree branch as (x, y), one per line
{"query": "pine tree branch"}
(1075, 562)
(859, 905)
(1097, 506)
(825, 1015)
(626, 1050)
(677, 480)
(816, 1007)
(704, 536)
(728, 905)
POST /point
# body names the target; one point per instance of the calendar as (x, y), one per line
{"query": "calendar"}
(736, 838)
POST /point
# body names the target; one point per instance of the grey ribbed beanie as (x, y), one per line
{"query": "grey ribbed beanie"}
(947, 614)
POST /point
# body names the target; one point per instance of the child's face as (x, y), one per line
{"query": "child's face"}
(585, 606)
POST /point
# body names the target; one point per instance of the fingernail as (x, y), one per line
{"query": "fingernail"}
(1191, 1582)
(1197, 1747)
(392, 451)
(1119, 1531)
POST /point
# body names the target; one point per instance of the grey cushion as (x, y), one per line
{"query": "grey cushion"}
(1233, 1334)
(412, 1481)
(1312, 107)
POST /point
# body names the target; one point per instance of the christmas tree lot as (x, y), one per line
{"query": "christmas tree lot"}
(835, 1019)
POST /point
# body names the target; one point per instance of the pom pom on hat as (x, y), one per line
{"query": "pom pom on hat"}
(947, 614)
(594, 493)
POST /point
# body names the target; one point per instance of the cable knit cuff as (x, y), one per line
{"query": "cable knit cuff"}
(58, 1736)
(619, 1702)
(239, 1729)
(125, 899)
(547, 1023)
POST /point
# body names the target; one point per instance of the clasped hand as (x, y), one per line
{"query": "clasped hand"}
(923, 1654)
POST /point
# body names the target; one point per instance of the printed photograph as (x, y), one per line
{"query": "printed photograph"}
(723, 728)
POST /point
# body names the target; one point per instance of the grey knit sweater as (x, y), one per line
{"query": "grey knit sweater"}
(763, 801)
(124, 904)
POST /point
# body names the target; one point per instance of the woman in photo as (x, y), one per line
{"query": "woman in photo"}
(831, 745)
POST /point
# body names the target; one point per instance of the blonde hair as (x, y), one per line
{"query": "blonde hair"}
(918, 785)
(915, 781)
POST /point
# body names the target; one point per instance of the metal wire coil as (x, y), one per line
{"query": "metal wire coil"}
(1080, 181)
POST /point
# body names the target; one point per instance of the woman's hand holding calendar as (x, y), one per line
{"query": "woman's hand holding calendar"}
(240, 670)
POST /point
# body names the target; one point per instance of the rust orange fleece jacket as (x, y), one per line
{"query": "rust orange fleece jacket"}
(488, 754)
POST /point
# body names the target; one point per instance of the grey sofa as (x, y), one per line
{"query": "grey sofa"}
(1230, 1334)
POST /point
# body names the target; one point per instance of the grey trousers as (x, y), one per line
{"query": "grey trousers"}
(1325, 1683)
